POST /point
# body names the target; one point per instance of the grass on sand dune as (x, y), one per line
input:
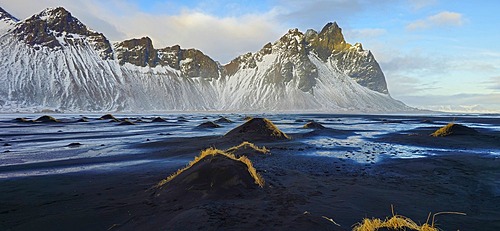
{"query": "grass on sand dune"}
(454, 129)
(398, 222)
(211, 152)
(443, 131)
(247, 145)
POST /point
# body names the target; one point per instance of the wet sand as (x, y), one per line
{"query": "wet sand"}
(300, 189)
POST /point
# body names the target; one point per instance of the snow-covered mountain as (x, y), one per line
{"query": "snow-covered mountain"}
(53, 61)
(6, 20)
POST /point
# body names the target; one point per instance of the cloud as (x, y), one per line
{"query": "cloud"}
(493, 83)
(223, 38)
(443, 19)
(456, 103)
(303, 14)
(419, 4)
(416, 63)
(364, 33)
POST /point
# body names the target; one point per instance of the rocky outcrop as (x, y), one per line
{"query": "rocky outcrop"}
(56, 27)
(353, 60)
(190, 62)
(139, 52)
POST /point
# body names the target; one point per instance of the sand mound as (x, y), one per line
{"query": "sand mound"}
(158, 120)
(454, 129)
(314, 125)
(47, 119)
(108, 117)
(247, 149)
(208, 124)
(223, 120)
(126, 122)
(76, 144)
(23, 120)
(257, 129)
(214, 172)
(83, 120)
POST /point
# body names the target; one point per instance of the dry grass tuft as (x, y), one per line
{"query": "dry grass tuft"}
(398, 222)
(454, 129)
(443, 131)
(276, 131)
(207, 153)
(247, 145)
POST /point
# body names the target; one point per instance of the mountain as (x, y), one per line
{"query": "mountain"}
(6, 20)
(53, 61)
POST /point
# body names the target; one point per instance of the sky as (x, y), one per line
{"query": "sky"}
(436, 54)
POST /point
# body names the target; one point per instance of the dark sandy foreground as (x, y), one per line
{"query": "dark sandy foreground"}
(299, 191)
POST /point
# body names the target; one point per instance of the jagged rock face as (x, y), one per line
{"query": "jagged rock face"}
(353, 60)
(190, 62)
(195, 64)
(292, 64)
(328, 41)
(139, 52)
(362, 67)
(55, 28)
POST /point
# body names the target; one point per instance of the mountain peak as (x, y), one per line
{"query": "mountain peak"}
(56, 28)
(60, 20)
(330, 26)
(332, 32)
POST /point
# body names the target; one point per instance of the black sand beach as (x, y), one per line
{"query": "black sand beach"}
(302, 188)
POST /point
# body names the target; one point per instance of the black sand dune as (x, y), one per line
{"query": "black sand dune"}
(83, 120)
(108, 117)
(126, 122)
(451, 136)
(47, 119)
(257, 129)
(214, 174)
(208, 124)
(223, 120)
(453, 129)
(314, 125)
(23, 120)
(158, 120)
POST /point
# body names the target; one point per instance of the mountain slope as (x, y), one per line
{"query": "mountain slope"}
(53, 61)
(6, 20)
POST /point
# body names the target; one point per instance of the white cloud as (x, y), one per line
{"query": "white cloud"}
(456, 103)
(222, 38)
(364, 33)
(493, 83)
(442, 19)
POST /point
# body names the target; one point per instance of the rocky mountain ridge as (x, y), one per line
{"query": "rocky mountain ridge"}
(81, 63)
